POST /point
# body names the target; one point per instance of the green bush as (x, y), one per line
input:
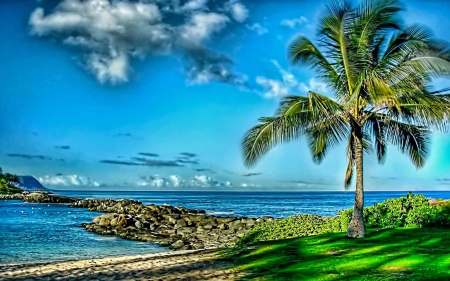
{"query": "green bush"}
(8, 183)
(409, 211)
(294, 226)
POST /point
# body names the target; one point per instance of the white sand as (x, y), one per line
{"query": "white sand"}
(182, 265)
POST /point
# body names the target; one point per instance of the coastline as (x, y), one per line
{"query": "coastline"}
(181, 265)
(176, 227)
(240, 205)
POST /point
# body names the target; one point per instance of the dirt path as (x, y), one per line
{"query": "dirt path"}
(183, 265)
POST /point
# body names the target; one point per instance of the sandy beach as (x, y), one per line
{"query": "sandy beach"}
(181, 265)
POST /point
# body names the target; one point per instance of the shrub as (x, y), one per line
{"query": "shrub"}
(409, 211)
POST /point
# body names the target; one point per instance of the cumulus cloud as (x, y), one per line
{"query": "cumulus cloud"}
(250, 185)
(277, 88)
(313, 85)
(203, 66)
(292, 23)
(201, 26)
(68, 180)
(288, 84)
(114, 33)
(256, 27)
(237, 10)
(273, 88)
(177, 181)
(155, 181)
(194, 5)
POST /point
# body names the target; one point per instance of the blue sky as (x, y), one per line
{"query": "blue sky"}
(91, 89)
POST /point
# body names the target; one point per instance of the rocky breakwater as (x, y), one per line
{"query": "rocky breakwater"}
(17, 196)
(48, 198)
(39, 197)
(176, 227)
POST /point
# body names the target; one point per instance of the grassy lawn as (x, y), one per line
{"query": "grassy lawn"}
(388, 254)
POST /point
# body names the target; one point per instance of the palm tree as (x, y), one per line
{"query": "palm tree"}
(379, 74)
(8, 183)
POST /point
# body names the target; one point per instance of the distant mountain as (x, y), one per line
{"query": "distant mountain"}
(30, 183)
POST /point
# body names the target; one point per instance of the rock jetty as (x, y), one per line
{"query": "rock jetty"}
(177, 227)
(39, 197)
(16, 196)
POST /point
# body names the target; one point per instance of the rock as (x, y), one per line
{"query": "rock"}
(240, 233)
(104, 222)
(248, 221)
(47, 197)
(96, 220)
(17, 196)
(177, 244)
(222, 220)
(237, 225)
(176, 227)
(208, 226)
(184, 230)
(180, 223)
(114, 221)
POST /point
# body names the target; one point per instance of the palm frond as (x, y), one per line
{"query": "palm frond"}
(410, 139)
(303, 51)
(375, 127)
(272, 131)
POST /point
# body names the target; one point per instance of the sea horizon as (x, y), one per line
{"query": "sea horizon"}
(248, 191)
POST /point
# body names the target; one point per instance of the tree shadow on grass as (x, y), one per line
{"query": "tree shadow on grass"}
(389, 254)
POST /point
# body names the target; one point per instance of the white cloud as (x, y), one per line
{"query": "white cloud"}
(288, 85)
(287, 77)
(250, 185)
(113, 33)
(292, 23)
(273, 88)
(201, 26)
(256, 27)
(194, 5)
(114, 68)
(277, 88)
(314, 86)
(177, 181)
(237, 10)
(68, 180)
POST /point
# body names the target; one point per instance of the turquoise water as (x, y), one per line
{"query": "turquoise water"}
(47, 232)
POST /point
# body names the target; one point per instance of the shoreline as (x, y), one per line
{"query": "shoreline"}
(49, 261)
(180, 265)
(175, 227)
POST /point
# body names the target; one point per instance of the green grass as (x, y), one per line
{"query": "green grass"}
(388, 254)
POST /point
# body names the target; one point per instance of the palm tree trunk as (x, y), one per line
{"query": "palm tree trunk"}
(357, 228)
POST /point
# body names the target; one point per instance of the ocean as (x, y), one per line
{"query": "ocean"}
(50, 232)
